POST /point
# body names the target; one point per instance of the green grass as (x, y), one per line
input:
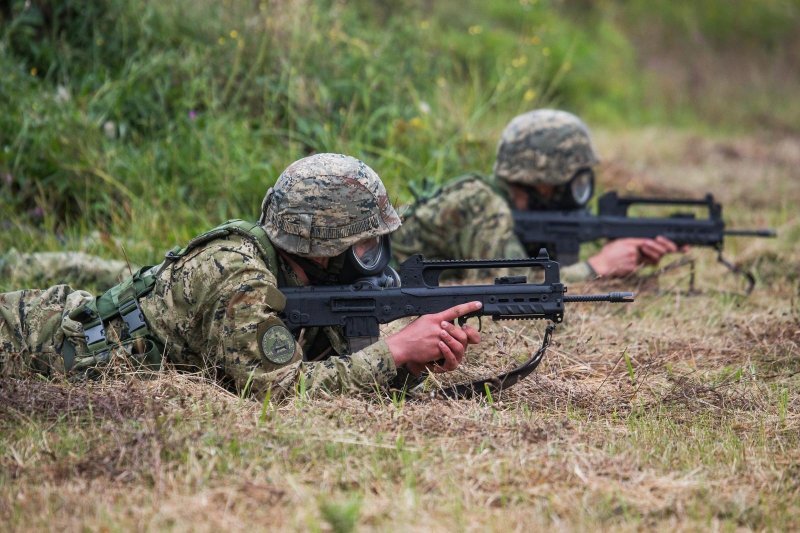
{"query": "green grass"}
(116, 114)
(135, 125)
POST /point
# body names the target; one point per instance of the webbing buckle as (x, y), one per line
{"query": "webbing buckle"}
(96, 341)
(132, 315)
(94, 334)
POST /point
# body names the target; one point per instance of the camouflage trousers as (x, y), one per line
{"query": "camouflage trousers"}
(43, 269)
(33, 329)
(36, 331)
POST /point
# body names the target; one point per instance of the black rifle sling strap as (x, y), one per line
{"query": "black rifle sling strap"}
(503, 381)
(751, 280)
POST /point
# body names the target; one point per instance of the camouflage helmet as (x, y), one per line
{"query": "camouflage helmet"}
(323, 204)
(545, 146)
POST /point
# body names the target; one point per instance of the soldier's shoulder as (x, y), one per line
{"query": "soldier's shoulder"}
(469, 186)
(224, 258)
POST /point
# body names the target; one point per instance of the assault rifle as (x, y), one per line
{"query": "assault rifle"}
(360, 308)
(562, 232)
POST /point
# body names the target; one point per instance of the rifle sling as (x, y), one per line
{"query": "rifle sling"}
(751, 280)
(503, 381)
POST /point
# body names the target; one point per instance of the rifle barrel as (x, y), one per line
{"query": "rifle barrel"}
(615, 297)
(751, 232)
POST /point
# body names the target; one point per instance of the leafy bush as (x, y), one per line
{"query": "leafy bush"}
(118, 111)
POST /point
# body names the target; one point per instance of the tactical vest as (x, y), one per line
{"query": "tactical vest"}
(122, 300)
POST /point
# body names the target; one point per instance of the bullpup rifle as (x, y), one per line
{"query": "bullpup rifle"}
(360, 308)
(562, 232)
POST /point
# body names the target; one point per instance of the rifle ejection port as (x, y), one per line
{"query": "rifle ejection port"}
(510, 280)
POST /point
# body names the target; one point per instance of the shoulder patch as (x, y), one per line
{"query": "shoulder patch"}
(276, 343)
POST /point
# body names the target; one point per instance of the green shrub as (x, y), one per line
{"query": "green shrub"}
(181, 113)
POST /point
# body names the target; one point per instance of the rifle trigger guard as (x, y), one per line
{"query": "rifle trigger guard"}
(463, 320)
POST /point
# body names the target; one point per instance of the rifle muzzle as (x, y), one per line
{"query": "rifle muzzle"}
(751, 232)
(614, 297)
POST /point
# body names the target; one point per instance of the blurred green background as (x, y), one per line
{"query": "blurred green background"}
(150, 121)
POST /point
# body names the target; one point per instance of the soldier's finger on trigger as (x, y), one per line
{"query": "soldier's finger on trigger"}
(668, 245)
(653, 250)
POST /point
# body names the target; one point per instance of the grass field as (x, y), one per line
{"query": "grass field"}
(127, 127)
(680, 410)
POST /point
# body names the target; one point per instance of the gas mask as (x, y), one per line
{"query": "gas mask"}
(368, 259)
(574, 194)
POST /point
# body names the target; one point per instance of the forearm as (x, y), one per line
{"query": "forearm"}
(577, 272)
(362, 372)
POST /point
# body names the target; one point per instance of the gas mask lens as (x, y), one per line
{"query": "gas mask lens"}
(581, 187)
(368, 254)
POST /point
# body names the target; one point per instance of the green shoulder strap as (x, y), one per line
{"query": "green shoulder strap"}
(123, 299)
(249, 230)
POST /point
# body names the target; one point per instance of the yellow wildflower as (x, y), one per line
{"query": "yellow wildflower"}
(475, 30)
(529, 95)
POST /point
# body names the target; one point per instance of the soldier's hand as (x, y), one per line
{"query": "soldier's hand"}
(652, 250)
(433, 341)
(624, 256)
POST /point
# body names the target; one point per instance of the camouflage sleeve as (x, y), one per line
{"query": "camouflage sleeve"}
(259, 353)
(367, 370)
(51, 268)
(577, 272)
(466, 220)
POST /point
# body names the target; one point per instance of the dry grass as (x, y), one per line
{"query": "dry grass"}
(679, 411)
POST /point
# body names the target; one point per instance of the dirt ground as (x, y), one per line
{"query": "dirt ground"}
(681, 410)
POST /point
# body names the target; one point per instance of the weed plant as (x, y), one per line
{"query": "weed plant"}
(151, 121)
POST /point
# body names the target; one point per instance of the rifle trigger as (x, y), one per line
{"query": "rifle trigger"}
(463, 320)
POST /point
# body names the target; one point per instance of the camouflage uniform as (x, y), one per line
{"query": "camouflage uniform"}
(53, 268)
(216, 308)
(470, 217)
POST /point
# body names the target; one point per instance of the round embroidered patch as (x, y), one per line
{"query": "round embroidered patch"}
(277, 345)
